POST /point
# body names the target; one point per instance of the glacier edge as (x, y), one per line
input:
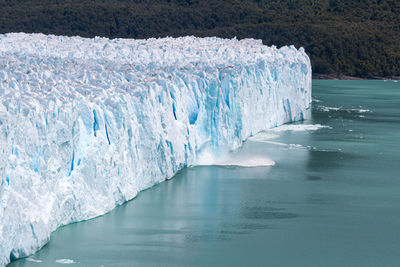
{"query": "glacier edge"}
(86, 124)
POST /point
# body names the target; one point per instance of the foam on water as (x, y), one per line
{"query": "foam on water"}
(207, 158)
(255, 161)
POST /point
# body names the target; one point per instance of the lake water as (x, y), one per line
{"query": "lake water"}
(332, 199)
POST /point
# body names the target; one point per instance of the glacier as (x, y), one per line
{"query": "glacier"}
(86, 124)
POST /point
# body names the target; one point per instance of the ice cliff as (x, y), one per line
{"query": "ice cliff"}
(85, 124)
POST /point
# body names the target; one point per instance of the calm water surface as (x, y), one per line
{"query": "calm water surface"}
(332, 199)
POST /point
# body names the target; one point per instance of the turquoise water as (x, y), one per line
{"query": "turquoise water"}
(332, 199)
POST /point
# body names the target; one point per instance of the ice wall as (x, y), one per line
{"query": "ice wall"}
(85, 124)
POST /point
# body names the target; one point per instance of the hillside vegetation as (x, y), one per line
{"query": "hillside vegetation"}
(343, 37)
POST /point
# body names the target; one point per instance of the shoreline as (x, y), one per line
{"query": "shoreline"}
(318, 76)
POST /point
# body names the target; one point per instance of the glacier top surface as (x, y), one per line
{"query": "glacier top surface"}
(178, 52)
(63, 67)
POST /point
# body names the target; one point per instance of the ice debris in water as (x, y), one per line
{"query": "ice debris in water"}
(33, 260)
(85, 124)
(208, 157)
(299, 127)
(65, 261)
(348, 110)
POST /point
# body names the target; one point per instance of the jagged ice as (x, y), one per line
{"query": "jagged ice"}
(85, 124)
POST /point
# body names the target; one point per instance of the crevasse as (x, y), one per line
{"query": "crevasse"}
(85, 124)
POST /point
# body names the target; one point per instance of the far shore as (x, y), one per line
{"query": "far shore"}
(345, 77)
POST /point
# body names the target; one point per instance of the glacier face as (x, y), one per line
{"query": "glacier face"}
(85, 124)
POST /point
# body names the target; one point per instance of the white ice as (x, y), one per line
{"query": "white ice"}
(65, 261)
(85, 124)
(208, 157)
(33, 260)
(299, 127)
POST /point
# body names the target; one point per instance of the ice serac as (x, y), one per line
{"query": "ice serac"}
(85, 124)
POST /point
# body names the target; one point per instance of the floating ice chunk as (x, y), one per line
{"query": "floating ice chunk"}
(289, 146)
(263, 136)
(65, 261)
(362, 110)
(33, 260)
(349, 110)
(327, 109)
(299, 127)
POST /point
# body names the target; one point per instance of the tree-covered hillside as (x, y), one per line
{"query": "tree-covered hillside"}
(348, 37)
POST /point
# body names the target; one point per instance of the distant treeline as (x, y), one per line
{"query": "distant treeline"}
(343, 37)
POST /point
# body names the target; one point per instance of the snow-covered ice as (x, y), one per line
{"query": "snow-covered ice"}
(85, 124)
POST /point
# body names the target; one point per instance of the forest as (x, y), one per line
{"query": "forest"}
(359, 38)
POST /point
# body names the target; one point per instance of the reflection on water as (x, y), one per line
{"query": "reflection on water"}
(332, 199)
